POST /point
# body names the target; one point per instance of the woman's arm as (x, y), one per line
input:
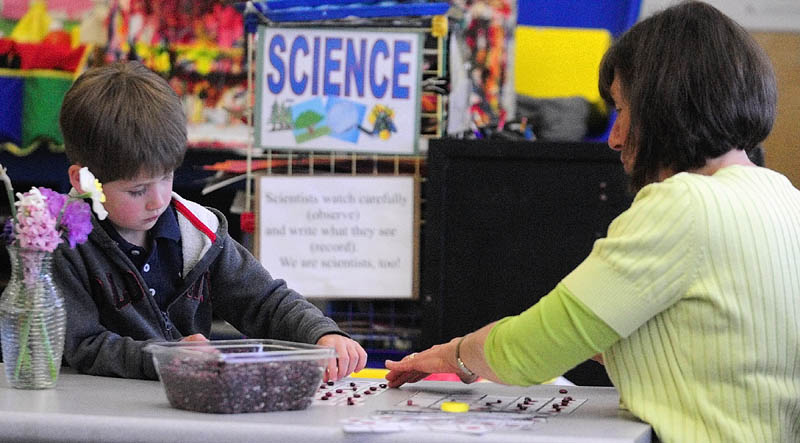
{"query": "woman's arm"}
(442, 358)
(541, 343)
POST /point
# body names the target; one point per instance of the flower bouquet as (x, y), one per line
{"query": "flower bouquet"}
(32, 314)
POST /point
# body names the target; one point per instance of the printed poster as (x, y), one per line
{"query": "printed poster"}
(339, 236)
(338, 90)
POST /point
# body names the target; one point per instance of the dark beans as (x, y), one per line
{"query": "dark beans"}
(228, 388)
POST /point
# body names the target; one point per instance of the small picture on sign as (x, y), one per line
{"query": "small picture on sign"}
(344, 118)
(382, 119)
(281, 115)
(309, 120)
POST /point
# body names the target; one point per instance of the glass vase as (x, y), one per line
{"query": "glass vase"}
(32, 321)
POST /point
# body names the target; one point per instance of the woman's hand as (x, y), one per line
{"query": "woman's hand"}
(351, 356)
(415, 367)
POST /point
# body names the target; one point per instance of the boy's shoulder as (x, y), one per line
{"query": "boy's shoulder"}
(200, 228)
(192, 214)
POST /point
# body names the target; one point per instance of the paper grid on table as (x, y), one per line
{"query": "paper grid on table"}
(357, 391)
(468, 422)
(496, 403)
(488, 413)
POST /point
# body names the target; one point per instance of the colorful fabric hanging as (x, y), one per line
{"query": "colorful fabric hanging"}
(33, 99)
(11, 95)
(37, 67)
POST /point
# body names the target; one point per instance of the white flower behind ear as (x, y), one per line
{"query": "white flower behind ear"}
(94, 190)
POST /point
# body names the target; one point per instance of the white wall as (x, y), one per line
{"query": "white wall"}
(756, 15)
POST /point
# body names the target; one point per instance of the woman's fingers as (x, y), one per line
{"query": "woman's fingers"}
(397, 379)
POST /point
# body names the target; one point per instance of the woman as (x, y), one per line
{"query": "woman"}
(693, 298)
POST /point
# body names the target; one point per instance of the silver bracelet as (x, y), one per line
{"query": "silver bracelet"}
(461, 366)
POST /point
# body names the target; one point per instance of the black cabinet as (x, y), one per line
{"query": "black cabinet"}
(504, 223)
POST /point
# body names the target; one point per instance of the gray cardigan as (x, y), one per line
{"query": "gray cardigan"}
(111, 314)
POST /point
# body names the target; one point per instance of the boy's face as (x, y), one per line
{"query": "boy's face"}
(134, 205)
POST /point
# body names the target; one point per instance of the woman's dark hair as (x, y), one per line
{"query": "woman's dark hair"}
(697, 85)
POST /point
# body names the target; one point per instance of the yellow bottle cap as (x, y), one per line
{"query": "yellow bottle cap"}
(439, 26)
(455, 406)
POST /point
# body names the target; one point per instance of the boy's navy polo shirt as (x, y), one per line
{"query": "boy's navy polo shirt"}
(161, 264)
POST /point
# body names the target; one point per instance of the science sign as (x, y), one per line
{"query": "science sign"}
(338, 90)
(340, 236)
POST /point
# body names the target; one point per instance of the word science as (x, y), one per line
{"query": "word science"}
(338, 90)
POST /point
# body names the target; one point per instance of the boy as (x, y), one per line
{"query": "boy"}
(159, 265)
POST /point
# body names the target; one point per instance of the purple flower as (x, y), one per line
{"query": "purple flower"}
(7, 236)
(45, 217)
(77, 222)
(42, 218)
(54, 201)
(36, 229)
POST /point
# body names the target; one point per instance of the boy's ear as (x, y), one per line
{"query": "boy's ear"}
(75, 177)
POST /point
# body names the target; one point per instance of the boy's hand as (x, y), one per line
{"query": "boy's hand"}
(201, 348)
(352, 357)
(195, 337)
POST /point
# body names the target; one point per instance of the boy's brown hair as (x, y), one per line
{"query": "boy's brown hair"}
(121, 120)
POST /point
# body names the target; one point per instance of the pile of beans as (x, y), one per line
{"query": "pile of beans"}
(228, 388)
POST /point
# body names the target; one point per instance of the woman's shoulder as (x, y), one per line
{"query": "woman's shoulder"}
(734, 178)
(739, 192)
(740, 189)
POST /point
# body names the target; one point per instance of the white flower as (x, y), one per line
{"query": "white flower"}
(94, 190)
(30, 200)
(9, 189)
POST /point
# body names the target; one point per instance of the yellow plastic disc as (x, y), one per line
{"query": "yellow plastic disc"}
(455, 406)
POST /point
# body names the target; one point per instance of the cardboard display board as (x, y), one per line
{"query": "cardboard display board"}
(338, 90)
(340, 236)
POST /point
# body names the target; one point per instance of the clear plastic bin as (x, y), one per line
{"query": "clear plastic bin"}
(232, 376)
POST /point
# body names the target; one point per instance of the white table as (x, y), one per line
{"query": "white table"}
(85, 408)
